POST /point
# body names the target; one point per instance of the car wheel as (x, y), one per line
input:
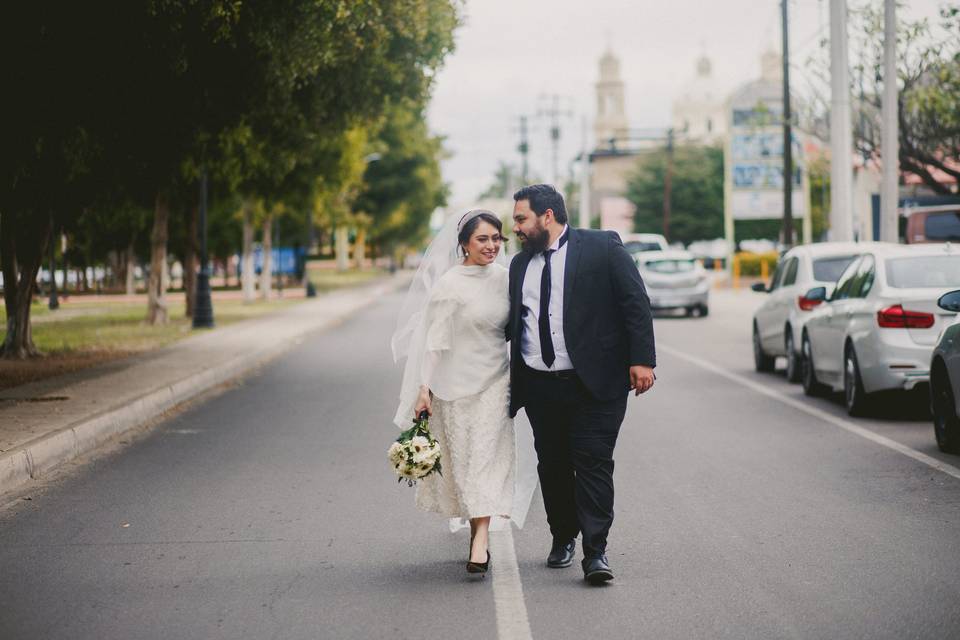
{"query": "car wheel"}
(761, 361)
(946, 423)
(809, 375)
(704, 311)
(855, 398)
(794, 366)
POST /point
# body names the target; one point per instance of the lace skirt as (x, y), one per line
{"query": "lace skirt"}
(477, 454)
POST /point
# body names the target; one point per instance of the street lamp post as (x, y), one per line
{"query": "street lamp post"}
(54, 302)
(668, 185)
(203, 306)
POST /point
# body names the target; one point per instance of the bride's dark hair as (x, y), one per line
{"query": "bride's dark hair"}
(464, 236)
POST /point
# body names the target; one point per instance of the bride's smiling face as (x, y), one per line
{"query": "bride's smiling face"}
(484, 244)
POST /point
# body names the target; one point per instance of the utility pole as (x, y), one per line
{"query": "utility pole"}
(841, 136)
(203, 306)
(553, 112)
(889, 193)
(787, 229)
(668, 185)
(524, 149)
(583, 212)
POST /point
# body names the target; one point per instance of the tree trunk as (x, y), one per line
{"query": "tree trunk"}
(360, 247)
(190, 261)
(130, 271)
(156, 289)
(341, 247)
(19, 283)
(248, 281)
(266, 275)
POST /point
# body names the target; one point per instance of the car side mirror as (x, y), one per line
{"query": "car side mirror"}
(950, 301)
(759, 287)
(817, 294)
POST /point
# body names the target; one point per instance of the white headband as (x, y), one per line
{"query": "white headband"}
(470, 215)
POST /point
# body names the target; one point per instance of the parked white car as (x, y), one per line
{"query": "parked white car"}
(778, 323)
(636, 242)
(878, 329)
(675, 279)
(945, 379)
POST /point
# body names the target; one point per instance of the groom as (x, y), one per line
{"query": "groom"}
(581, 337)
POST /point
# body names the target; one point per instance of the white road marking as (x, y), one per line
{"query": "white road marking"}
(846, 425)
(512, 622)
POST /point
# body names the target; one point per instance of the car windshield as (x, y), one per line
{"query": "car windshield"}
(635, 246)
(670, 266)
(830, 269)
(924, 271)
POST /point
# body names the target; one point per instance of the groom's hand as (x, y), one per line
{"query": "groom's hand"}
(641, 378)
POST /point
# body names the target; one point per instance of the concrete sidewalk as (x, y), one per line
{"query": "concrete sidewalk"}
(46, 423)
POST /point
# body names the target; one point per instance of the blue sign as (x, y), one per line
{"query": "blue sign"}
(283, 260)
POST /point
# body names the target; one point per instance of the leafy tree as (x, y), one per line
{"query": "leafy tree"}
(928, 76)
(696, 210)
(506, 180)
(121, 106)
(404, 186)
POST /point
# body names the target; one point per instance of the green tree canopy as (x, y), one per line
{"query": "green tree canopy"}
(697, 193)
(404, 185)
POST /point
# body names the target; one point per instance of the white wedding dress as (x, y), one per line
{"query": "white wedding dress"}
(466, 366)
(450, 330)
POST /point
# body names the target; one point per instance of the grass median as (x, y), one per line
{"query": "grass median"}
(83, 333)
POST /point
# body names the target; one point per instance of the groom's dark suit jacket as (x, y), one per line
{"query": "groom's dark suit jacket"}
(607, 324)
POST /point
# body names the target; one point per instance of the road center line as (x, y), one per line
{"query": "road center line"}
(512, 622)
(846, 425)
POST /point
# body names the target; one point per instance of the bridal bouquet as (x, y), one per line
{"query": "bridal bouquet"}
(415, 454)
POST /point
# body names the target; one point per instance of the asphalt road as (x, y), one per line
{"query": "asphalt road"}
(269, 512)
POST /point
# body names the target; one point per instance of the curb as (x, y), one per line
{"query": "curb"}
(32, 460)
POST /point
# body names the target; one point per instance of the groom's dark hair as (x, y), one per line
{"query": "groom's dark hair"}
(541, 198)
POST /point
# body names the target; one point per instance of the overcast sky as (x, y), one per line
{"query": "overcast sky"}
(511, 53)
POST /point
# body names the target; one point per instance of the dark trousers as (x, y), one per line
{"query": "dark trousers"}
(574, 435)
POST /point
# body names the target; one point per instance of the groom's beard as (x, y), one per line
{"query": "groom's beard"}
(535, 242)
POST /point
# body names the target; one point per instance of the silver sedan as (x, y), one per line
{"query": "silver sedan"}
(878, 328)
(675, 280)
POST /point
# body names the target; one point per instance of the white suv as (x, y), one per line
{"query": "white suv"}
(637, 242)
(777, 324)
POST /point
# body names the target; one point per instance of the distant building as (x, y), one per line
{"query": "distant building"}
(611, 121)
(754, 155)
(697, 113)
(615, 151)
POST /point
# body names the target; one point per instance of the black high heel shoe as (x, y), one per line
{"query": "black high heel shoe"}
(479, 567)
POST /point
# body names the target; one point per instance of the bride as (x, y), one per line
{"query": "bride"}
(451, 329)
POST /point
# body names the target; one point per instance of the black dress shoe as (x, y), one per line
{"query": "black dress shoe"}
(596, 570)
(561, 554)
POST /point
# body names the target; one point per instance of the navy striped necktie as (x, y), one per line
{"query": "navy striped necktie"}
(546, 341)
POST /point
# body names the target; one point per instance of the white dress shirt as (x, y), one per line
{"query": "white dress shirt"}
(530, 339)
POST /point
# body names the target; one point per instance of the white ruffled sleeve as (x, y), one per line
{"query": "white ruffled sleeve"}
(440, 332)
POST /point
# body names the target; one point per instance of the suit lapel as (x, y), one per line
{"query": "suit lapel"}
(570, 268)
